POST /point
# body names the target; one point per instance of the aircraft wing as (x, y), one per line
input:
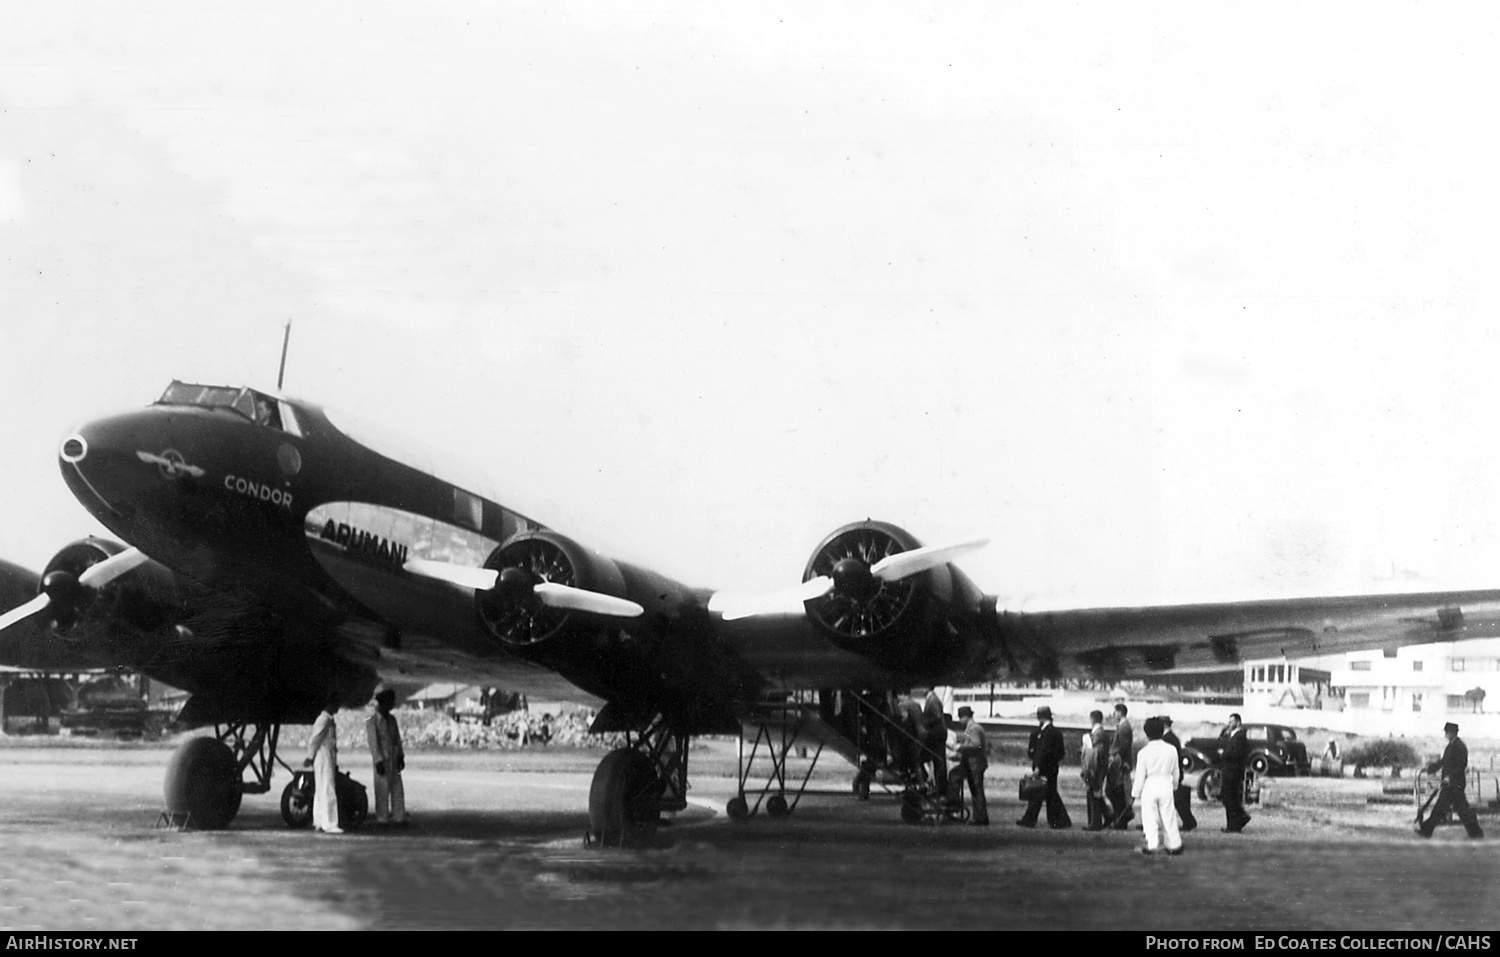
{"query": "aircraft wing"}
(1120, 642)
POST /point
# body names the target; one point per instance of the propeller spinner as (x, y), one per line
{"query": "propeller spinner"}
(852, 578)
(515, 584)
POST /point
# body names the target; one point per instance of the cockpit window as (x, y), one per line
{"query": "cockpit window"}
(255, 406)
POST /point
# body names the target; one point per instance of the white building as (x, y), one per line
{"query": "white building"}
(1421, 683)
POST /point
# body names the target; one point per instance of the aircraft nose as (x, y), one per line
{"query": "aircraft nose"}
(101, 461)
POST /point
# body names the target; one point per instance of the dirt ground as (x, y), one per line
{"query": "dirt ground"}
(497, 844)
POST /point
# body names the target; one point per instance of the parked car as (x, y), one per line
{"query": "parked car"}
(1274, 749)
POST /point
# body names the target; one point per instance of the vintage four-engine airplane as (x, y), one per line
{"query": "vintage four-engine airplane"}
(278, 555)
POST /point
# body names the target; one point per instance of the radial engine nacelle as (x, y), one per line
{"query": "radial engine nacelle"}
(533, 569)
(81, 610)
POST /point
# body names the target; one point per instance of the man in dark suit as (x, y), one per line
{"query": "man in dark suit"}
(1183, 796)
(1232, 761)
(1454, 766)
(1046, 750)
(1121, 761)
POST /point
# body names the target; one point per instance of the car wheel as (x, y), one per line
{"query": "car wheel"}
(1211, 784)
(1260, 763)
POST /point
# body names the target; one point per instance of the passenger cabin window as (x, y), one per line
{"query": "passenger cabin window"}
(255, 406)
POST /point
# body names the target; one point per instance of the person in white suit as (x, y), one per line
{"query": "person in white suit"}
(323, 758)
(1157, 774)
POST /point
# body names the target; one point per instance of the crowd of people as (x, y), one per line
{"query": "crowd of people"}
(1117, 777)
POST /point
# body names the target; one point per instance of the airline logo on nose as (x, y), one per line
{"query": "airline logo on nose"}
(171, 463)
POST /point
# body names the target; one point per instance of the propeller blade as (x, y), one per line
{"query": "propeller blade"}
(577, 599)
(102, 573)
(479, 579)
(23, 612)
(734, 607)
(905, 564)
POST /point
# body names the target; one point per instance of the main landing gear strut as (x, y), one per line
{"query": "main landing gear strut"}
(633, 785)
(206, 777)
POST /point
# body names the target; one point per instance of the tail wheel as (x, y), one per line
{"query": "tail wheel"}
(625, 800)
(203, 784)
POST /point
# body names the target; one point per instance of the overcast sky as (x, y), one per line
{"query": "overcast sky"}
(1171, 301)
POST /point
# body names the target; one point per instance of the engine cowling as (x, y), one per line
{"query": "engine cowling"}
(142, 599)
(509, 610)
(861, 609)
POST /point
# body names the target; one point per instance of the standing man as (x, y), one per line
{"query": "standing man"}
(935, 740)
(1156, 780)
(323, 758)
(1233, 759)
(1046, 751)
(1454, 766)
(389, 758)
(1095, 761)
(973, 753)
(1121, 760)
(1182, 798)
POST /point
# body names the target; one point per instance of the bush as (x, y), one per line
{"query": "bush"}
(1383, 753)
(436, 729)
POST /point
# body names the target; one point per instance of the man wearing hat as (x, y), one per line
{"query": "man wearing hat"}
(1046, 751)
(973, 754)
(1454, 766)
(389, 758)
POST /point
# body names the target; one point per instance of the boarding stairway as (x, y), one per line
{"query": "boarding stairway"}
(858, 726)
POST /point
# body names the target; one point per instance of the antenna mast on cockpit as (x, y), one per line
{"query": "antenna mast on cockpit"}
(286, 339)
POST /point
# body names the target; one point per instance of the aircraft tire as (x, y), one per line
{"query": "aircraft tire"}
(738, 809)
(296, 806)
(777, 807)
(624, 800)
(203, 784)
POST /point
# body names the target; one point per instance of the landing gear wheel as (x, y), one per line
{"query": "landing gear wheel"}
(203, 784)
(625, 800)
(776, 806)
(738, 809)
(861, 786)
(296, 805)
(1211, 784)
(1260, 764)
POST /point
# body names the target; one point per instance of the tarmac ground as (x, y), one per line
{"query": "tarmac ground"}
(497, 843)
